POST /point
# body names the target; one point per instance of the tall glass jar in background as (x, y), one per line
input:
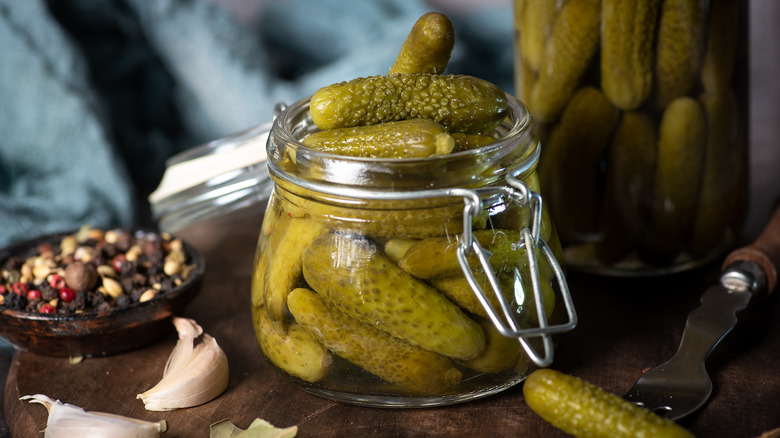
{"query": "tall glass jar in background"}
(642, 110)
(360, 292)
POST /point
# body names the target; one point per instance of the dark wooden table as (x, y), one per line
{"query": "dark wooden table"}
(625, 327)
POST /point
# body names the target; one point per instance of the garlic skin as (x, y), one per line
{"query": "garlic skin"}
(193, 374)
(66, 420)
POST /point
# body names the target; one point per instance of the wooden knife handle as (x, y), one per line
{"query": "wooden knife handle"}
(765, 251)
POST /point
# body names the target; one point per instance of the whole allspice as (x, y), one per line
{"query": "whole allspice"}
(80, 275)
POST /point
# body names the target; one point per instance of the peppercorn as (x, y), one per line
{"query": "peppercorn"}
(80, 275)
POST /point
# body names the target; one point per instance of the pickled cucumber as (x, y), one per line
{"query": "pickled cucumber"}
(676, 182)
(678, 49)
(627, 37)
(716, 205)
(536, 19)
(628, 185)
(514, 217)
(570, 169)
(460, 103)
(501, 353)
(584, 410)
(428, 47)
(568, 51)
(295, 351)
(284, 265)
(377, 352)
(721, 47)
(396, 248)
(350, 272)
(436, 257)
(415, 138)
(467, 142)
(457, 289)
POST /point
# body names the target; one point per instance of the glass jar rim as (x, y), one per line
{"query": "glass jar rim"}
(516, 152)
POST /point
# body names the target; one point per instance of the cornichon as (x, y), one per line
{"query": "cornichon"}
(628, 184)
(460, 103)
(678, 49)
(627, 36)
(573, 43)
(354, 275)
(721, 51)
(501, 353)
(295, 351)
(584, 410)
(428, 47)
(678, 173)
(416, 138)
(375, 351)
(284, 265)
(467, 142)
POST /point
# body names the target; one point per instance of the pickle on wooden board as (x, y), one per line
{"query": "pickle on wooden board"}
(627, 38)
(460, 103)
(436, 257)
(353, 274)
(295, 350)
(582, 409)
(677, 180)
(284, 265)
(377, 352)
(428, 47)
(628, 184)
(723, 166)
(568, 52)
(678, 50)
(570, 169)
(416, 138)
(720, 53)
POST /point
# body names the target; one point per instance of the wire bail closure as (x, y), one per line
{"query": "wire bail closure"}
(506, 322)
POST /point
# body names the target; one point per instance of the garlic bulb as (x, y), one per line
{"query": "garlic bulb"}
(67, 420)
(194, 374)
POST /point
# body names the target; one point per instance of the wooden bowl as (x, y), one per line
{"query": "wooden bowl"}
(96, 334)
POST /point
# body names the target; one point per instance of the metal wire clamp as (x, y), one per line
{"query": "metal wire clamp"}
(506, 322)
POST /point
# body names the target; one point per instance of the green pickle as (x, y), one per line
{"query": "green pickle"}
(357, 293)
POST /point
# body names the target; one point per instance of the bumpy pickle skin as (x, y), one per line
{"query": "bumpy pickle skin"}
(284, 265)
(627, 37)
(584, 410)
(417, 138)
(678, 50)
(568, 52)
(413, 368)
(428, 47)
(570, 168)
(723, 165)
(676, 183)
(460, 103)
(353, 274)
(628, 184)
(294, 351)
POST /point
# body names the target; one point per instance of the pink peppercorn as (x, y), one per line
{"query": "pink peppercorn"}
(3, 289)
(33, 294)
(56, 281)
(67, 294)
(47, 308)
(20, 289)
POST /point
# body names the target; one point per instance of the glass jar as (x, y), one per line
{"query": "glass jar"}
(407, 282)
(642, 111)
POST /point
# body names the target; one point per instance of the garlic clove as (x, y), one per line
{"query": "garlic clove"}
(66, 420)
(193, 374)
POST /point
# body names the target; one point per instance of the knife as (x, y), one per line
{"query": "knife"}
(681, 385)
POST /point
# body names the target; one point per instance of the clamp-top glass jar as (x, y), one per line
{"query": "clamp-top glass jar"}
(642, 108)
(407, 282)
